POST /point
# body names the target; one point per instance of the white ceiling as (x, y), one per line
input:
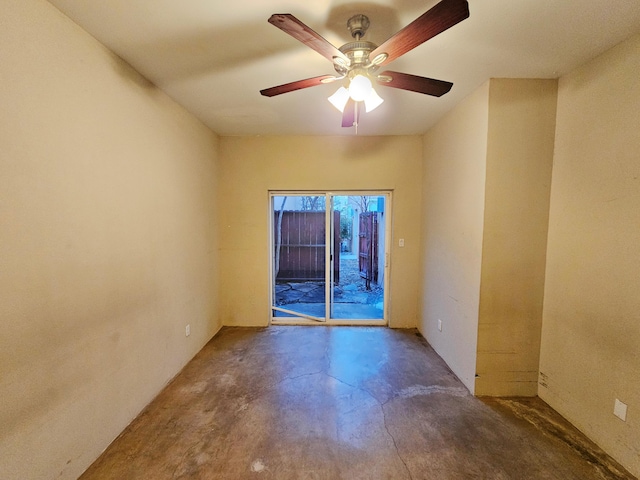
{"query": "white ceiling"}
(214, 56)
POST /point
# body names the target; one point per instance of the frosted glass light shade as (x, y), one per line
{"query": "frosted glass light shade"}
(339, 99)
(373, 101)
(360, 88)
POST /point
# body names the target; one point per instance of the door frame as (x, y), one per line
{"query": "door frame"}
(329, 232)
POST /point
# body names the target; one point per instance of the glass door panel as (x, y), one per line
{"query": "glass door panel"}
(299, 256)
(358, 258)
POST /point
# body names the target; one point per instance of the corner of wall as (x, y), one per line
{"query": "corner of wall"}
(453, 187)
(521, 137)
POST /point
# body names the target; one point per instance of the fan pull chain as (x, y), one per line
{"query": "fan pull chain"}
(355, 118)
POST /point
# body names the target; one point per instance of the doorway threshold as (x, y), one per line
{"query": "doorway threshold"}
(346, 322)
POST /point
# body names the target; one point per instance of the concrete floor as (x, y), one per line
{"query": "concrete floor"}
(340, 403)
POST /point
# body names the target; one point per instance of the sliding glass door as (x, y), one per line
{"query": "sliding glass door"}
(329, 267)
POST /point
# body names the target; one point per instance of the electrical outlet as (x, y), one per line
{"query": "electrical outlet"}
(187, 330)
(620, 410)
(401, 242)
(439, 325)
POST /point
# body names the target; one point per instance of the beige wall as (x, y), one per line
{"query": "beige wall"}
(452, 223)
(591, 324)
(518, 181)
(486, 198)
(107, 245)
(251, 166)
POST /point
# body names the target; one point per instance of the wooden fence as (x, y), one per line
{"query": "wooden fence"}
(302, 246)
(368, 247)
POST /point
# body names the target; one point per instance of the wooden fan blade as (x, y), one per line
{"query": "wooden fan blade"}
(300, 84)
(349, 114)
(298, 30)
(444, 15)
(414, 83)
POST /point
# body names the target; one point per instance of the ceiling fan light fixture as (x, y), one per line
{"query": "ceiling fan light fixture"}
(358, 61)
(340, 99)
(360, 88)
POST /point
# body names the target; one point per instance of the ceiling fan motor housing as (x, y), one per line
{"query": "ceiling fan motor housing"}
(358, 54)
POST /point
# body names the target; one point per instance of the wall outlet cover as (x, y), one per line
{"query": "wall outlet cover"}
(620, 410)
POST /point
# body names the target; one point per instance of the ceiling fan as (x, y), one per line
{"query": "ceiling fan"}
(359, 61)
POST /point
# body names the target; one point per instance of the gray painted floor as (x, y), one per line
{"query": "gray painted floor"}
(340, 403)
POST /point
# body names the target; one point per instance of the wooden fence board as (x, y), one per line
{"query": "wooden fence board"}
(302, 247)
